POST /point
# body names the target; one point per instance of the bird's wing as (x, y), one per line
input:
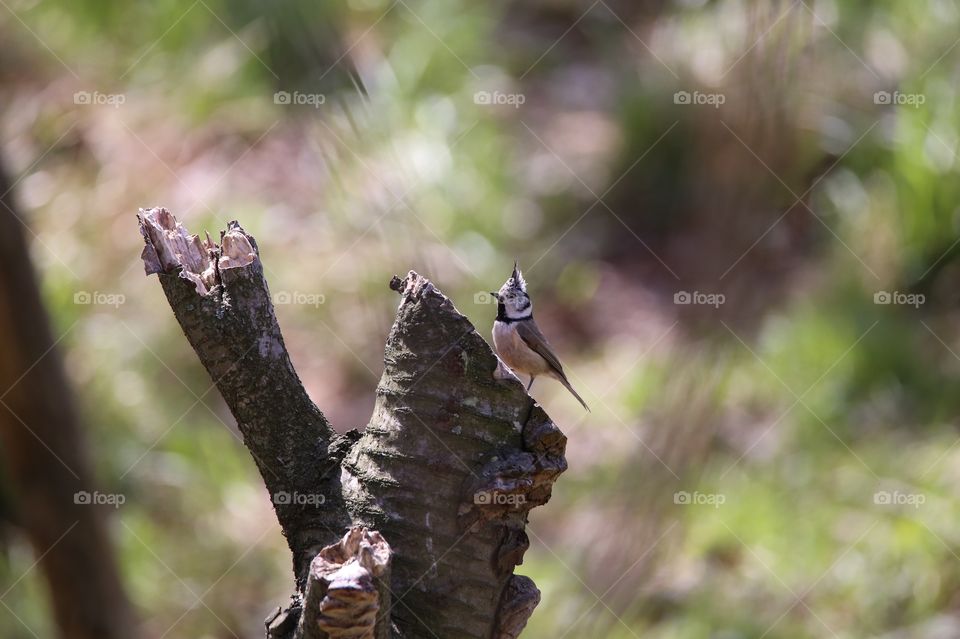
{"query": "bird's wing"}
(530, 333)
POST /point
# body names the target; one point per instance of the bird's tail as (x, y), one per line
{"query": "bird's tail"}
(563, 380)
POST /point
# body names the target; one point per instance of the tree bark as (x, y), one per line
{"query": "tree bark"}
(44, 455)
(453, 459)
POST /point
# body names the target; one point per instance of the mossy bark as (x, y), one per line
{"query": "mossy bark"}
(453, 459)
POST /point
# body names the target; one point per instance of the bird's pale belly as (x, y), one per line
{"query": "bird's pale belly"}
(515, 353)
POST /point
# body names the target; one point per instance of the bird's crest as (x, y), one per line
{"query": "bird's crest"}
(516, 279)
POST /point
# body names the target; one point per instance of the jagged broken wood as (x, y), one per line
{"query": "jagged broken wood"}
(421, 520)
(348, 586)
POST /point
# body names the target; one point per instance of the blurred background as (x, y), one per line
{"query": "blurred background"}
(739, 222)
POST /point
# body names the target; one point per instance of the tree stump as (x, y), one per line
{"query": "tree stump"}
(411, 529)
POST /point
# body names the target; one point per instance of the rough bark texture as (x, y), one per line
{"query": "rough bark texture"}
(44, 455)
(453, 459)
(222, 302)
(519, 599)
(443, 469)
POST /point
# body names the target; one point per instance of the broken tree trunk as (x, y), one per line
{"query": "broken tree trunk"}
(418, 523)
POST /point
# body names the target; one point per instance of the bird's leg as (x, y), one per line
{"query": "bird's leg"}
(530, 384)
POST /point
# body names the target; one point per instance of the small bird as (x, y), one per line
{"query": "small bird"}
(518, 339)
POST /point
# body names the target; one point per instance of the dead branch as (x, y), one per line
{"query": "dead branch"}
(453, 459)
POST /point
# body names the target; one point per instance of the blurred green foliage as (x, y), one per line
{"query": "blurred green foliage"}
(802, 401)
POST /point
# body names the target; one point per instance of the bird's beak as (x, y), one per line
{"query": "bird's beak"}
(496, 296)
(516, 271)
